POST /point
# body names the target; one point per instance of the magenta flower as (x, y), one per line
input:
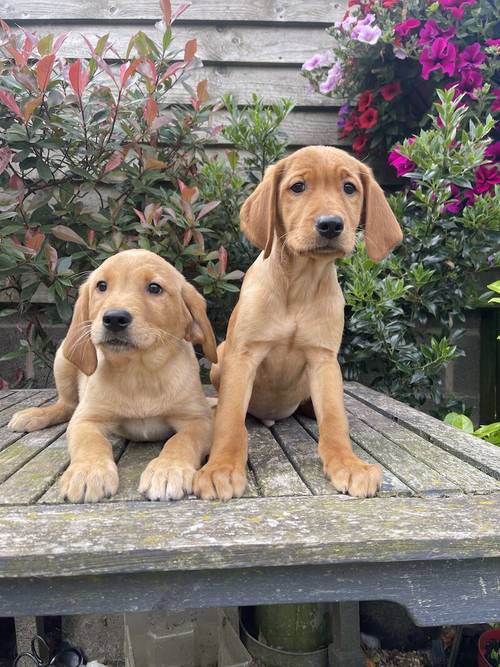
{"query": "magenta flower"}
(404, 29)
(493, 42)
(332, 79)
(455, 6)
(441, 55)
(486, 179)
(493, 152)
(496, 103)
(471, 56)
(316, 61)
(431, 30)
(470, 79)
(401, 163)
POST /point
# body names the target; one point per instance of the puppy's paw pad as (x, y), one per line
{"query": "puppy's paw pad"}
(353, 476)
(87, 482)
(25, 421)
(166, 480)
(223, 481)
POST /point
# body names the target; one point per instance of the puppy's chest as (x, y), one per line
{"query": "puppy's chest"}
(305, 326)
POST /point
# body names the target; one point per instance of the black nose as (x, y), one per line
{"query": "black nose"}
(116, 320)
(329, 226)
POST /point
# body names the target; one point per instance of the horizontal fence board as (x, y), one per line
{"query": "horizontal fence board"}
(272, 11)
(240, 44)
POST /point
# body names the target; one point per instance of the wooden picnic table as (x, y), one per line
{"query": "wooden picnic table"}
(430, 540)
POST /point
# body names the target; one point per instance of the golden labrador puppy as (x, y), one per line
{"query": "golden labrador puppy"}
(131, 339)
(284, 334)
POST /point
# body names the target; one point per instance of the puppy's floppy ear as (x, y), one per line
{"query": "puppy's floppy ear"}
(77, 346)
(259, 215)
(382, 230)
(199, 330)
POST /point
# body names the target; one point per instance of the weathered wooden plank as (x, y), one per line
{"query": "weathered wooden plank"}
(52, 495)
(251, 491)
(274, 474)
(16, 455)
(259, 11)
(27, 401)
(16, 397)
(391, 485)
(4, 393)
(134, 459)
(302, 450)
(225, 43)
(473, 450)
(35, 477)
(468, 478)
(414, 473)
(131, 537)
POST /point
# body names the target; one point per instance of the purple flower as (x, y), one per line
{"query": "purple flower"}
(470, 79)
(367, 34)
(441, 55)
(316, 61)
(493, 42)
(400, 162)
(496, 104)
(346, 23)
(486, 179)
(344, 110)
(404, 29)
(399, 53)
(332, 79)
(471, 56)
(493, 152)
(431, 30)
(455, 6)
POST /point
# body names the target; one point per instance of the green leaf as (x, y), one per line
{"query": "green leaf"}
(44, 170)
(459, 421)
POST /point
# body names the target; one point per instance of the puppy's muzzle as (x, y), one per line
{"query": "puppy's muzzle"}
(116, 321)
(329, 226)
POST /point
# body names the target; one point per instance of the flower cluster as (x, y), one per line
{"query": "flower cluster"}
(390, 57)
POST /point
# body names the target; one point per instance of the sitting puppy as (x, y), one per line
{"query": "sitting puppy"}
(131, 337)
(284, 334)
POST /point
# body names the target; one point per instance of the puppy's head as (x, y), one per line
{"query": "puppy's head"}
(134, 302)
(313, 201)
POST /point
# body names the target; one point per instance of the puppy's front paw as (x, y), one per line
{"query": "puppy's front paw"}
(87, 482)
(165, 479)
(31, 419)
(351, 475)
(222, 481)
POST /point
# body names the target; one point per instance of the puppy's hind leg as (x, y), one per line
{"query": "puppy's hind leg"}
(34, 419)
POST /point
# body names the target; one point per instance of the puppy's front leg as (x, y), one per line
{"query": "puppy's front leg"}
(92, 473)
(224, 476)
(170, 475)
(347, 472)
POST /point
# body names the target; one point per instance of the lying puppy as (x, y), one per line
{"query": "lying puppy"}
(284, 334)
(131, 337)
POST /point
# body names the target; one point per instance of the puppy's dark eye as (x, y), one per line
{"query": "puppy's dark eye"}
(349, 188)
(102, 286)
(298, 187)
(154, 288)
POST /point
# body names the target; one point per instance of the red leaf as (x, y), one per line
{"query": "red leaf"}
(51, 256)
(9, 101)
(188, 235)
(30, 106)
(113, 162)
(127, 69)
(67, 234)
(5, 27)
(150, 111)
(190, 50)
(19, 58)
(90, 236)
(59, 41)
(44, 70)
(166, 9)
(3, 384)
(222, 260)
(201, 91)
(5, 155)
(180, 11)
(206, 209)
(171, 70)
(78, 77)
(33, 239)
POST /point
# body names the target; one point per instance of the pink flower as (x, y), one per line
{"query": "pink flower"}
(431, 30)
(493, 152)
(470, 79)
(471, 56)
(367, 34)
(404, 29)
(399, 53)
(346, 23)
(316, 61)
(332, 79)
(486, 179)
(390, 91)
(400, 162)
(455, 6)
(493, 42)
(441, 55)
(359, 143)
